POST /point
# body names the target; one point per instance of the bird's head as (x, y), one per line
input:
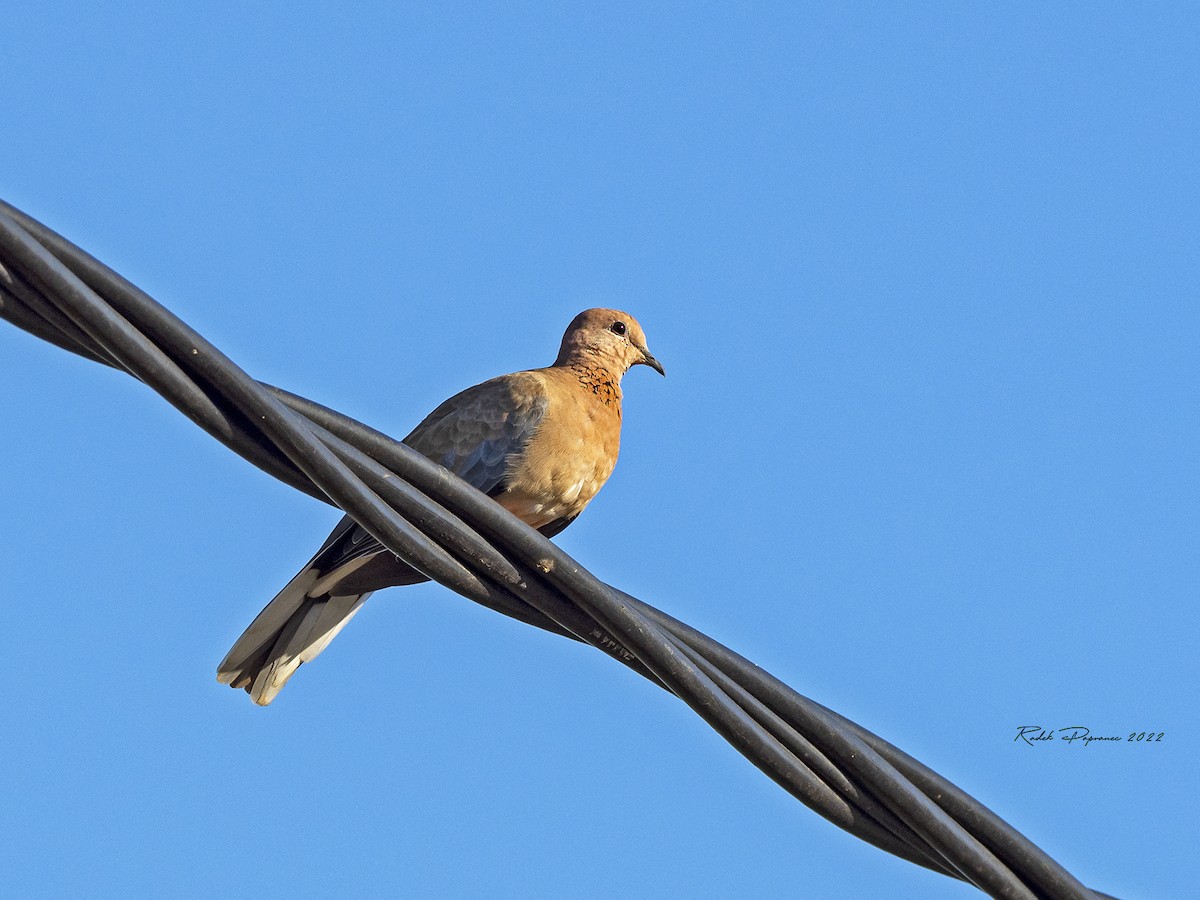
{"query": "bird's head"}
(608, 337)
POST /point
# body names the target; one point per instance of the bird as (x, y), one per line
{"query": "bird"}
(540, 442)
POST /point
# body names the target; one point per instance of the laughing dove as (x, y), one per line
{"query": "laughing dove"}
(541, 443)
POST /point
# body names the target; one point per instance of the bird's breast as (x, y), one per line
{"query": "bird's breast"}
(569, 457)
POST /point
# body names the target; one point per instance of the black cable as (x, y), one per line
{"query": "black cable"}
(467, 542)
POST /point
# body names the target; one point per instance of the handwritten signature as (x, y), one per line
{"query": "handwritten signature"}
(1033, 734)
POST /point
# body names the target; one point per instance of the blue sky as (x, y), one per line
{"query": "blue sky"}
(924, 285)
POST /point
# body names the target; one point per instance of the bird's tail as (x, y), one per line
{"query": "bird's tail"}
(291, 630)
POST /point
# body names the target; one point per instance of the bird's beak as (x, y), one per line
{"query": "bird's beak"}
(648, 360)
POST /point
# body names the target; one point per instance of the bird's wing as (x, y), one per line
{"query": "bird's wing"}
(476, 434)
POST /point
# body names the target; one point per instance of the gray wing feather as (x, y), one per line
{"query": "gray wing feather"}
(475, 434)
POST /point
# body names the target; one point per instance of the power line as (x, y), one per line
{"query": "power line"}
(462, 539)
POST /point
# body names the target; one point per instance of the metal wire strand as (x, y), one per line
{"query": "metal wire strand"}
(464, 540)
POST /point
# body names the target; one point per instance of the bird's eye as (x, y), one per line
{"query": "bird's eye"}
(617, 327)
